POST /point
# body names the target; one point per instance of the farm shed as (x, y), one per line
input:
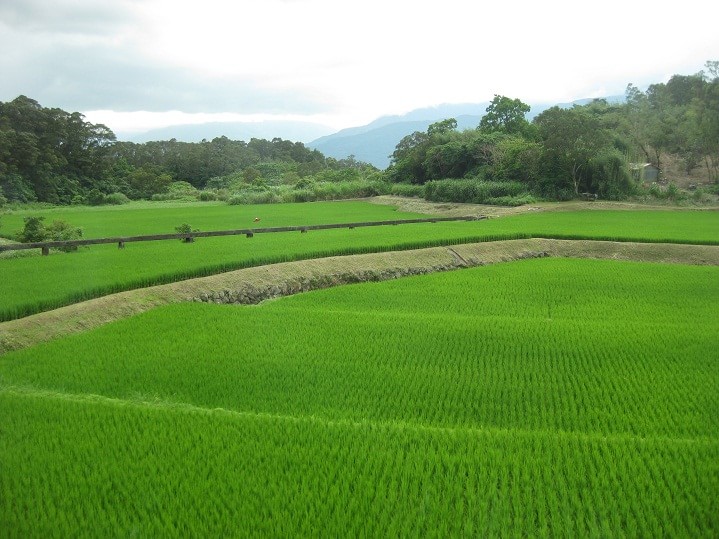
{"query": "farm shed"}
(644, 172)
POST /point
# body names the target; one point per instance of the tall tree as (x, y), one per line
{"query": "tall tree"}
(442, 127)
(506, 115)
(571, 139)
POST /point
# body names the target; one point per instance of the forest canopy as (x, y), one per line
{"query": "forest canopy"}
(50, 155)
(567, 151)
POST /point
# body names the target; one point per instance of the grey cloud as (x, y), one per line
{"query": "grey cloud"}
(67, 16)
(94, 74)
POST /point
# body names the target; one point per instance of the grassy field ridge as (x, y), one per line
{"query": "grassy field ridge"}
(271, 280)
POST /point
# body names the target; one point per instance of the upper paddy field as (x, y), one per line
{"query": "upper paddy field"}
(32, 284)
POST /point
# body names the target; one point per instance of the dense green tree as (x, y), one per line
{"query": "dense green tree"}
(506, 115)
(49, 154)
(147, 181)
(250, 174)
(33, 230)
(449, 160)
(408, 158)
(703, 120)
(442, 127)
(518, 159)
(608, 175)
(680, 117)
(571, 139)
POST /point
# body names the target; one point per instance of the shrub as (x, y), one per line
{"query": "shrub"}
(219, 182)
(63, 231)
(656, 192)
(673, 192)
(116, 199)
(95, 197)
(185, 228)
(207, 196)
(33, 231)
(304, 183)
(701, 196)
(36, 231)
(177, 191)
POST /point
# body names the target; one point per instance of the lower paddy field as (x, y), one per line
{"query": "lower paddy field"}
(545, 397)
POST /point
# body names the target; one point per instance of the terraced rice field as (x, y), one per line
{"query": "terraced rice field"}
(31, 285)
(536, 398)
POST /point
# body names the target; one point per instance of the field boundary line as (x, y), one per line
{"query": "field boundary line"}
(45, 246)
(395, 425)
(287, 278)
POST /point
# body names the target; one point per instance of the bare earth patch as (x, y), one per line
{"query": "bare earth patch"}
(452, 209)
(256, 284)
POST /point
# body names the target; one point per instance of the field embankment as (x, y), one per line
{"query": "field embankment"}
(256, 284)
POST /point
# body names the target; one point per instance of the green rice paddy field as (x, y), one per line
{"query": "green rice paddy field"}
(545, 397)
(33, 284)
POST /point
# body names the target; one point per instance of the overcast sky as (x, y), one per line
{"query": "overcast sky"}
(138, 64)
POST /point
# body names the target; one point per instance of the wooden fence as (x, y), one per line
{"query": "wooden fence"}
(45, 246)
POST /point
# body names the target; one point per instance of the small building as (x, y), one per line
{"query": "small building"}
(644, 172)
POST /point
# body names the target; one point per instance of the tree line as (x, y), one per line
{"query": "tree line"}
(567, 151)
(50, 155)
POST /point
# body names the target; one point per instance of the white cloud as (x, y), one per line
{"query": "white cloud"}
(139, 121)
(348, 61)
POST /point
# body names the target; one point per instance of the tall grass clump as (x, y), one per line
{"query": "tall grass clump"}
(477, 191)
(310, 191)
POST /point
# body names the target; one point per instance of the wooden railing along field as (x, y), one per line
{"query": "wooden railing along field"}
(189, 236)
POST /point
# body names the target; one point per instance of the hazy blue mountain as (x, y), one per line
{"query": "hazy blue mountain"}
(428, 114)
(374, 143)
(294, 131)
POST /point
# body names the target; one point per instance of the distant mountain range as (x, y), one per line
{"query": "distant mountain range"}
(372, 143)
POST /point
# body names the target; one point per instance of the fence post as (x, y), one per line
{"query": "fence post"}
(45, 251)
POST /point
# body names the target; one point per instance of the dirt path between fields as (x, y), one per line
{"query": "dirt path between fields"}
(455, 209)
(252, 285)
